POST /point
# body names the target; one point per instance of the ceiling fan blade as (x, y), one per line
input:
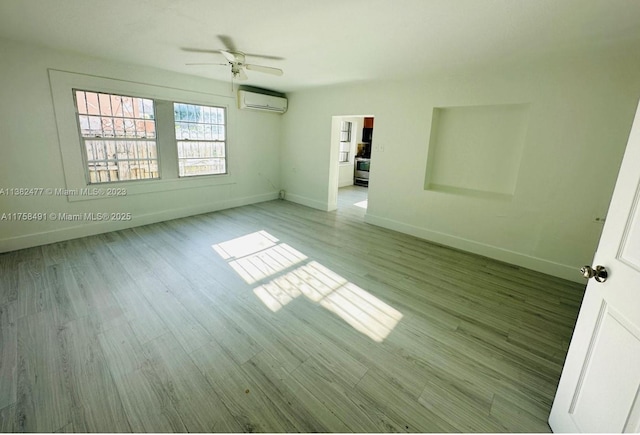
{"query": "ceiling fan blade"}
(227, 42)
(265, 69)
(199, 50)
(231, 47)
(204, 50)
(205, 63)
(231, 57)
(242, 75)
(262, 56)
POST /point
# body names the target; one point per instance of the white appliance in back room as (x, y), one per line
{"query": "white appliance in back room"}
(363, 155)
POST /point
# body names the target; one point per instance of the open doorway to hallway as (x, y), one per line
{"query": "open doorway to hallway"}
(352, 141)
(352, 200)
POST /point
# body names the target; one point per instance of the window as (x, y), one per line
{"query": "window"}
(118, 135)
(345, 141)
(201, 139)
(116, 131)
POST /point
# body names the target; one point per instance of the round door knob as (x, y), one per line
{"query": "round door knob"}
(600, 273)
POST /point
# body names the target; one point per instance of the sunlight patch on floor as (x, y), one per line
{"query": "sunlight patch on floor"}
(259, 256)
(363, 311)
(362, 204)
(245, 245)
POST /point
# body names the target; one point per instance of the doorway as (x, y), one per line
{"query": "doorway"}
(351, 137)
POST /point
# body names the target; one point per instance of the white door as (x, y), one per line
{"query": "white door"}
(599, 390)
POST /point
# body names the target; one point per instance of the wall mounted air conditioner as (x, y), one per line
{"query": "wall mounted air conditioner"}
(256, 101)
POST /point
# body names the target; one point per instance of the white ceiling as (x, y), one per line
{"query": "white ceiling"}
(323, 42)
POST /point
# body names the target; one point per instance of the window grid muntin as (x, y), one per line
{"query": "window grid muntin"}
(138, 158)
(200, 128)
(102, 113)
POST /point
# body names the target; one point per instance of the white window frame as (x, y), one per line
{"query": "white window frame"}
(102, 137)
(62, 87)
(201, 140)
(350, 142)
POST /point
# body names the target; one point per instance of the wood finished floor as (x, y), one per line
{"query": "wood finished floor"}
(332, 326)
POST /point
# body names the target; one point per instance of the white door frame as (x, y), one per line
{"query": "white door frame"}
(334, 165)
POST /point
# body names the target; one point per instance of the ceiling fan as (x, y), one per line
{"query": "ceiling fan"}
(237, 60)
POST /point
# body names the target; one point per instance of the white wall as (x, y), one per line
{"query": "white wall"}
(581, 110)
(30, 150)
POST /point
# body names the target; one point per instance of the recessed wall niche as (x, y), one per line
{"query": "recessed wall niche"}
(476, 150)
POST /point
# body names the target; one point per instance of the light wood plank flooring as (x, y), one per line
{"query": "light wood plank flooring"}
(276, 318)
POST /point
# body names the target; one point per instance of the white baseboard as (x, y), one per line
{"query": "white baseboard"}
(534, 263)
(511, 257)
(303, 200)
(90, 229)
